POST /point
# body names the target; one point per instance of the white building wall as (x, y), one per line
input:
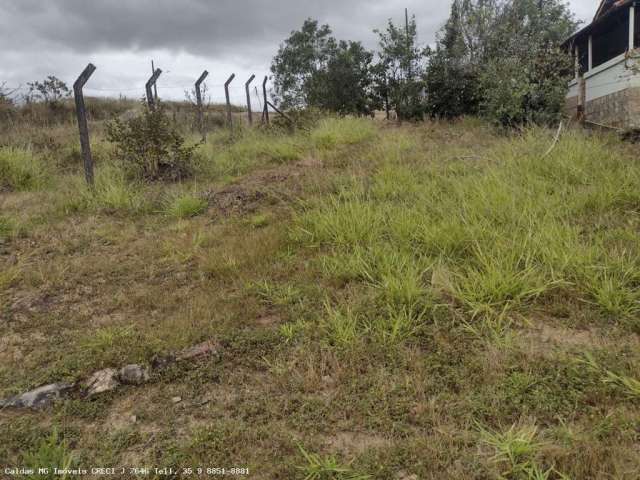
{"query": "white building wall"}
(613, 76)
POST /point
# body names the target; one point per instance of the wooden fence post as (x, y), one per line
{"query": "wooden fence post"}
(386, 96)
(150, 83)
(155, 87)
(265, 112)
(246, 88)
(81, 112)
(226, 93)
(199, 100)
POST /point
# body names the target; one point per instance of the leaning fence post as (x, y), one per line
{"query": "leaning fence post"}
(265, 112)
(199, 100)
(226, 93)
(81, 112)
(246, 88)
(155, 87)
(150, 83)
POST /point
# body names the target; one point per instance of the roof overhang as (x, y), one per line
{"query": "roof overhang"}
(599, 19)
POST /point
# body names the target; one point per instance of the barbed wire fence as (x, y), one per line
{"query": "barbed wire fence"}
(234, 95)
(204, 95)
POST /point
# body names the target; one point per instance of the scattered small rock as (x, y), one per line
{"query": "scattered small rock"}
(176, 399)
(102, 381)
(133, 375)
(39, 398)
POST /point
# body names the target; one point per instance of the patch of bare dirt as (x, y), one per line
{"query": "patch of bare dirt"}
(273, 185)
(544, 338)
(236, 199)
(268, 320)
(355, 443)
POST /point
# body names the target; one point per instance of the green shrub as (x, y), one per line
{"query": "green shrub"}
(20, 170)
(150, 147)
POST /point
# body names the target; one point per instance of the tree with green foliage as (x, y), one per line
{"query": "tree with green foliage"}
(452, 76)
(525, 78)
(403, 64)
(345, 85)
(313, 69)
(502, 59)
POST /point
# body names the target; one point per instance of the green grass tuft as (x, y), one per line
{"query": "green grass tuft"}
(319, 467)
(185, 206)
(20, 170)
(51, 452)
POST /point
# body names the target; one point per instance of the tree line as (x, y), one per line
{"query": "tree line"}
(501, 59)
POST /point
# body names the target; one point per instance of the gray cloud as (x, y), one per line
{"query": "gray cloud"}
(39, 37)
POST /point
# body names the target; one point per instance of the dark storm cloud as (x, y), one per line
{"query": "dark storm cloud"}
(196, 26)
(39, 37)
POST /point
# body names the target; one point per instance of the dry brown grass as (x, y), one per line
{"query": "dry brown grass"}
(266, 264)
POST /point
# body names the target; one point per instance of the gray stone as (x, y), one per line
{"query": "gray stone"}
(176, 399)
(133, 375)
(102, 381)
(39, 398)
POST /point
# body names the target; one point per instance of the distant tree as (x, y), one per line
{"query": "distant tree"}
(402, 65)
(313, 69)
(51, 90)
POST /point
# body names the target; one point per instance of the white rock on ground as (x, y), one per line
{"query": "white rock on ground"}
(102, 381)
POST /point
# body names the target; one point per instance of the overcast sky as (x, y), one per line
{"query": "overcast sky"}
(184, 37)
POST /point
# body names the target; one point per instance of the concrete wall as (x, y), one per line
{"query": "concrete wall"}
(612, 92)
(619, 109)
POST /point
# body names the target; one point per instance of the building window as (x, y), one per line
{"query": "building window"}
(610, 38)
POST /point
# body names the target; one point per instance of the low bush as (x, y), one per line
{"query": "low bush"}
(150, 147)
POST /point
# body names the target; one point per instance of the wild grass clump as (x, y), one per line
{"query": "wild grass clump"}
(51, 452)
(20, 170)
(516, 453)
(318, 467)
(630, 386)
(185, 205)
(335, 132)
(113, 192)
(226, 155)
(505, 232)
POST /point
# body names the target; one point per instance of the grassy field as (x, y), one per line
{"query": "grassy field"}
(409, 302)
